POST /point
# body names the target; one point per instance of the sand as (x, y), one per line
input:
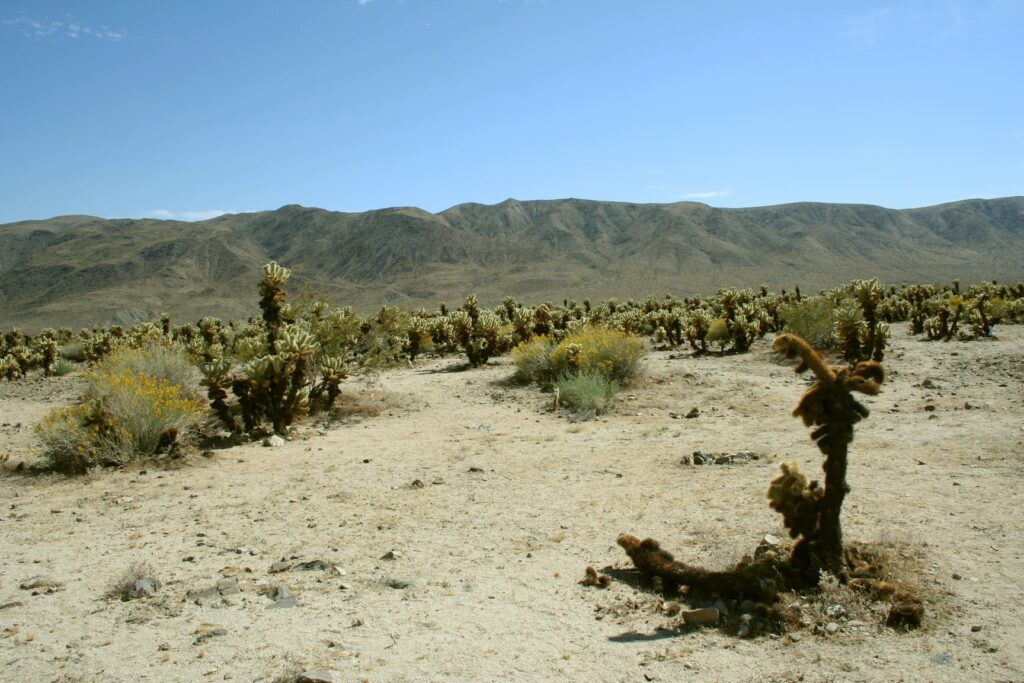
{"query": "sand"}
(455, 525)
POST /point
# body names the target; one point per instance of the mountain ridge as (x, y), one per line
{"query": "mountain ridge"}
(79, 270)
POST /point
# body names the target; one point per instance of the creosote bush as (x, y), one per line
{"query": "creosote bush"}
(124, 414)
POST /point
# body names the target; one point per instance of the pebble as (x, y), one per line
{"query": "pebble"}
(274, 441)
(399, 584)
(282, 597)
(143, 588)
(318, 676)
(391, 555)
(701, 617)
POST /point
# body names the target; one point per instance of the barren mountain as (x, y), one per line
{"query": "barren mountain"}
(78, 270)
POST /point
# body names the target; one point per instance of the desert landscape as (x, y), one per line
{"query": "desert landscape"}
(441, 534)
(511, 340)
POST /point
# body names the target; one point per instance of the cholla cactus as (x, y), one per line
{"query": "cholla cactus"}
(418, 334)
(698, 324)
(812, 514)
(332, 370)
(272, 297)
(217, 379)
(849, 329)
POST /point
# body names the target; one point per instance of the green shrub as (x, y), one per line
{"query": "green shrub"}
(62, 367)
(611, 353)
(124, 414)
(586, 393)
(531, 359)
(811, 318)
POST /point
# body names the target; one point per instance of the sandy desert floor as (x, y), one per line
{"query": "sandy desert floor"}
(452, 529)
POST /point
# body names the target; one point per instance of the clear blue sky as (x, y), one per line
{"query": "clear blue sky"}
(185, 108)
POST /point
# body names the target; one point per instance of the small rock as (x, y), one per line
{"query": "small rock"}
(929, 383)
(831, 627)
(694, 412)
(391, 555)
(143, 588)
(399, 584)
(702, 458)
(970, 405)
(929, 408)
(416, 484)
(835, 611)
(282, 597)
(313, 566)
(956, 577)
(974, 629)
(701, 617)
(13, 603)
(279, 567)
(274, 441)
(318, 676)
(675, 416)
(42, 582)
(771, 540)
(228, 587)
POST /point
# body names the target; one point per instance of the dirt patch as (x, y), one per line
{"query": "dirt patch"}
(454, 526)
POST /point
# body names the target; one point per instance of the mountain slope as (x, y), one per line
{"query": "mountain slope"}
(77, 270)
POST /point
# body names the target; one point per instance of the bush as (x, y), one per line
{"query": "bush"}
(62, 367)
(166, 363)
(586, 393)
(124, 414)
(611, 353)
(531, 359)
(811, 318)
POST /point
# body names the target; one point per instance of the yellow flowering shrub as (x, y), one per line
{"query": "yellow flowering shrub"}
(592, 350)
(121, 416)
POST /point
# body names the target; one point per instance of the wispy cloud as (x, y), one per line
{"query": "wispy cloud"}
(59, 30)
(365, 2)
(707, 195)
(166, 214)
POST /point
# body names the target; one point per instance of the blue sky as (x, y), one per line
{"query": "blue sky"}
(183, 109)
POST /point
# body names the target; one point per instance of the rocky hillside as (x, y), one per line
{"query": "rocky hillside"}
(77, 270)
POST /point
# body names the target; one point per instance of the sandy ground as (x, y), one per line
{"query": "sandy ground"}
(492, 506)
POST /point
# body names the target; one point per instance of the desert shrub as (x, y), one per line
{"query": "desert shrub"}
(157, 361)
(124, 415)
(62, 367)
(586, 393)
(811, 318)
(531, 359)
(611, 353)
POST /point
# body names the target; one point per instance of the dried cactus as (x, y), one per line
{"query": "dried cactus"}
(812, 515)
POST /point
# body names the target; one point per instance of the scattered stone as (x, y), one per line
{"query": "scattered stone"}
(694, 412)
(274, 441)
(391, 555)
(929, 408)
(929, 383)
(475, 469)
(835, 611)
(416, 484)
(484, 427)
(282, 597)
(42, 583)
(831, 628)
(970, 405)
(702, 458)
(313, 566)
(399, 584)
(675, 416)
(214, 595)
(974, 629)
(705, 616)
(957, 577)
(318, 676)
(279, 567)
(143, 588)
(771, 540)
(13, 603)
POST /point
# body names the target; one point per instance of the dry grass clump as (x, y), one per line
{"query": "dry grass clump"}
(368, 402)
(127, 586)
